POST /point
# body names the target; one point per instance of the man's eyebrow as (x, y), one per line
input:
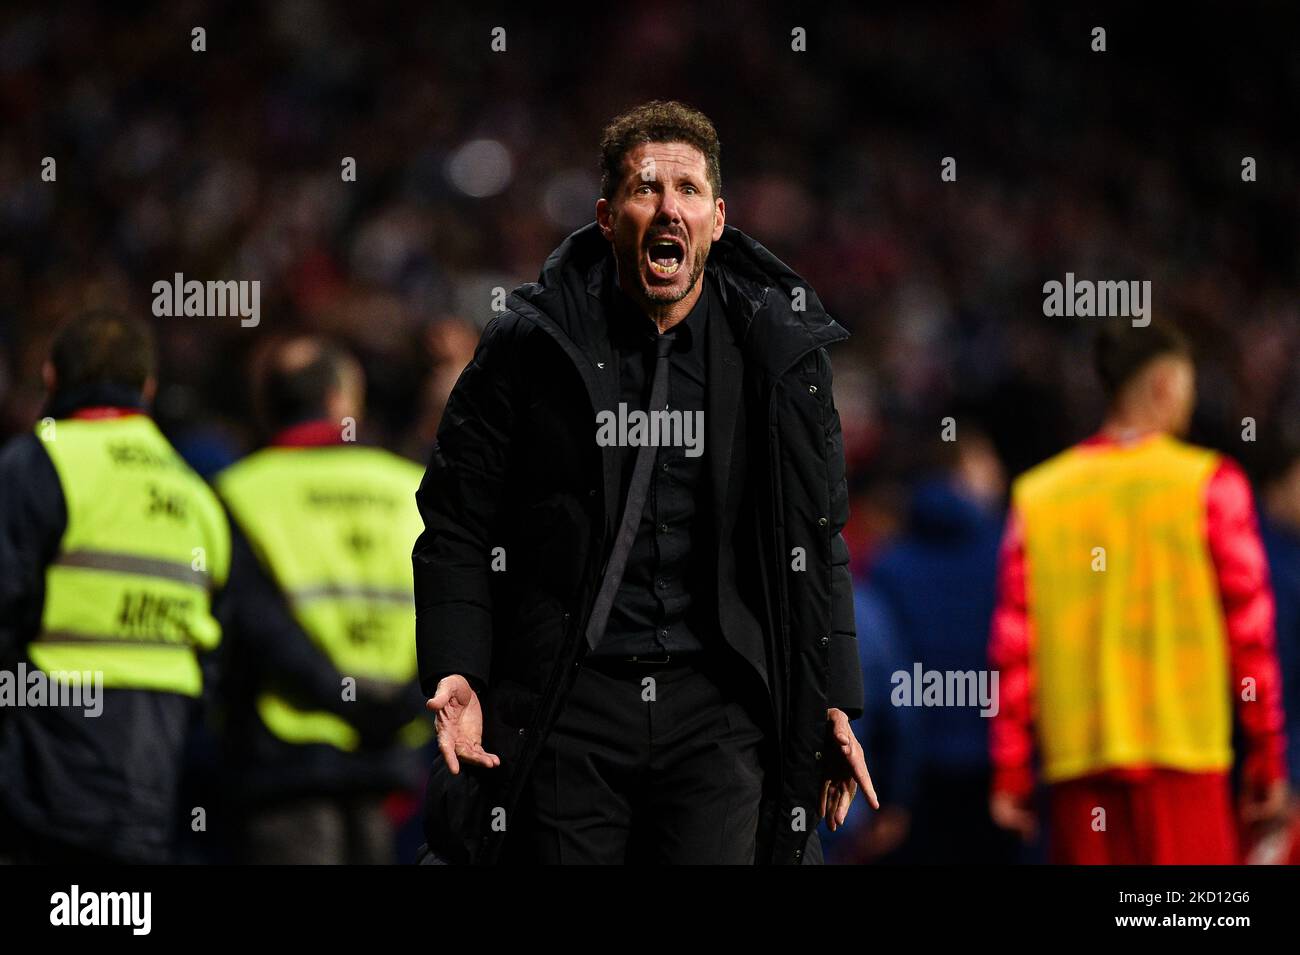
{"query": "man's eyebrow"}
(683, 175)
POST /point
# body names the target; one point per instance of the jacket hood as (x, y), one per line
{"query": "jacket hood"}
(758, 292)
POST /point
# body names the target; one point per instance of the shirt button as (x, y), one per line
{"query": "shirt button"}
(661, 583)
(817, 755)
(662, 467)
(821, 522)
(825, 641)
(663, 528)
(663, 633)
(798, 854)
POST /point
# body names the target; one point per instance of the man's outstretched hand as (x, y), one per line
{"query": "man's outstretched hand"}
(846, 770)
(460, 724)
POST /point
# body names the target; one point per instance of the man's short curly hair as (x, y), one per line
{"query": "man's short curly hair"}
(659, 121)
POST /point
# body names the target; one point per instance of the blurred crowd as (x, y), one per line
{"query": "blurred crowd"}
(473, 163)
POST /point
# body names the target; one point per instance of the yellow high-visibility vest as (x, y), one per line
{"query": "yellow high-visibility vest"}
(1129, 643)
(334, 526)
(129, 593)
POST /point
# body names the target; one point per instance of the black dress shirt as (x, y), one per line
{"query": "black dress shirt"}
(658, 606)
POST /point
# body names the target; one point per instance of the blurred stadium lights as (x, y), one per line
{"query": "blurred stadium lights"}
(480, 168)
(567, 201)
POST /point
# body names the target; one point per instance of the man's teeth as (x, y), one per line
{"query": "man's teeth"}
(664, 258)
(665, 269)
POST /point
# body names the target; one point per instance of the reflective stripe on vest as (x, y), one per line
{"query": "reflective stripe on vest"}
(129, 593)
(1129, 649)
(334, 527)
(133, 564)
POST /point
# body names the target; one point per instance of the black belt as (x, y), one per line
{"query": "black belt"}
(647, 659)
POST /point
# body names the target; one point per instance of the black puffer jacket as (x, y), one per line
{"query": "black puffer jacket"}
(516, 466)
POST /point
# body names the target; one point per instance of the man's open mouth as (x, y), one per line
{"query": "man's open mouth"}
(665, 256)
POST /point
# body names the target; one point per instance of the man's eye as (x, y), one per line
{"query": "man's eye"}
(690, 188)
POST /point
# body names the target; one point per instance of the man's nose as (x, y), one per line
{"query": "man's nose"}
(668, 207)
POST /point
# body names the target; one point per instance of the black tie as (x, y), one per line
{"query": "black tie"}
(635, 506)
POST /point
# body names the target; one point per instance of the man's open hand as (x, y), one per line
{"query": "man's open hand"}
(460, 724)
(846, 770)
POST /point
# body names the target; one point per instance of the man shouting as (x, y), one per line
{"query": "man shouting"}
(638, 652)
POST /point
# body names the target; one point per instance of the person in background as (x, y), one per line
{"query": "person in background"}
(324, 712)
(1134, 611)
(113, 557)
(939, 583)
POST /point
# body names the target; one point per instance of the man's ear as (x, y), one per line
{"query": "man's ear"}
(719, 218)
(49, 377)
(605, 218)
(1161, 379)
(149, 390)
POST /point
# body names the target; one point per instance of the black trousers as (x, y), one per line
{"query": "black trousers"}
(648, 763)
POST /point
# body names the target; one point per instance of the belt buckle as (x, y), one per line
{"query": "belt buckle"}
(648, 659)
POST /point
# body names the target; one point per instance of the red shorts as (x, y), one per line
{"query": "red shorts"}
(1152, 817)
